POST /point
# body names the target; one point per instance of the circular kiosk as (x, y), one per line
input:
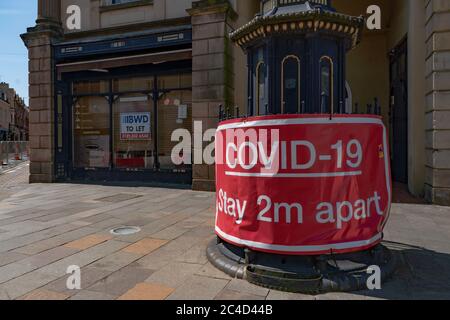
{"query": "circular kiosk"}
(303, 189)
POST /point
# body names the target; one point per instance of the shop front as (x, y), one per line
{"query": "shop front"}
(116, 114)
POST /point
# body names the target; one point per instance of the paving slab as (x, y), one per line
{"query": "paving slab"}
(87, 295)
(174, 274)
(10, 257)
(199, 288)
(145, 246)
(87, 242)
(45, 228)
(116, 261)
(247, 288)
(44, 295)
(55, 241)
(24, 284)
(83, 258)
(147, 291)
(230, 295)
(118, 283)
(89, 277)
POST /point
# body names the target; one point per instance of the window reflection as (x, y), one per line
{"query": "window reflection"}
(326, 85)
(133, 144)
(133, 84)
(290, 85)
(91, 132)
(260, 87)
(90, 87)
(174, 113)
(130, 126)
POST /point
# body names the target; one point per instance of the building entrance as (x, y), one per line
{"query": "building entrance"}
(120, 129)
(399, 113)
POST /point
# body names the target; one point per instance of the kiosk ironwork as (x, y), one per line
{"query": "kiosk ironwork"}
(296, 53)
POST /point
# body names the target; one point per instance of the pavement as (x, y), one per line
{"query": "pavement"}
(45, 228)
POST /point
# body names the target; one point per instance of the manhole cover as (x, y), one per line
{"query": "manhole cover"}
(125, 231)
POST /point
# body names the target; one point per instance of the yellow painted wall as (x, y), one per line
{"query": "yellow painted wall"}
(246, 10)
(368, 63)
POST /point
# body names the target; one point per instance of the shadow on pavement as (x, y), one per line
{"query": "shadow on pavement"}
(421, 275)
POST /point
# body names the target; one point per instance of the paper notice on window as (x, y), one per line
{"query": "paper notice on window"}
(98, 159)
(182, 112)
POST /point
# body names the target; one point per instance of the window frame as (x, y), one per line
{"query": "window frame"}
(257, 91)
(283, 62)
(107, 5)
(331, 83)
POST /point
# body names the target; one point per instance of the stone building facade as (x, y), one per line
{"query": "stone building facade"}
(405, 65)
(437, 101)
(14, 115)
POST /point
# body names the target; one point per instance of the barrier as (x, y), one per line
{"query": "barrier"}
(13, 151)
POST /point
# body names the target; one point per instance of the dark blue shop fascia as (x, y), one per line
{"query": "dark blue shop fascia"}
(125, 42)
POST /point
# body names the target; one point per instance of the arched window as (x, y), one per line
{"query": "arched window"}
(260, 88)
(290, 85)
(326, 85)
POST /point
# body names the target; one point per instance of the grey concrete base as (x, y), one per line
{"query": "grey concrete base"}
(302, 274)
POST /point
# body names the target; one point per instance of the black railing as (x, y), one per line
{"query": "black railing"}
(370, 108)
(228, 113)
(268, 5)
(282, 3)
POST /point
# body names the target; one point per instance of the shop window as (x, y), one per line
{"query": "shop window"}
(133, 84)
(90, 87)
(326, 85)
(348, 99)
(133, 132)
(174, 112)
(124, 128)
(175, 81)
(290, 85)
(91, 132)
(260, 88)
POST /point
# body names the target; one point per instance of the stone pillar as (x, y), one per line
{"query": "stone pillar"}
(212, 72)
(39, 41)
(437, 188)
(49, 12)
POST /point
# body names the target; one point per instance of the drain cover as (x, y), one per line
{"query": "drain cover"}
(125, 231)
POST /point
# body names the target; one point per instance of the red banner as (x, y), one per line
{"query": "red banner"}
(302, 185)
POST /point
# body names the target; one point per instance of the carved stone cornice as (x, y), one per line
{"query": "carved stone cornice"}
(202, 7)
(303, 22)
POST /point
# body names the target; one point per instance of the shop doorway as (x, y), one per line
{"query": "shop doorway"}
(399, 112)
(121, 128)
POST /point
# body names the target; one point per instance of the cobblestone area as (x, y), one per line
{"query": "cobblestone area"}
(46, 228)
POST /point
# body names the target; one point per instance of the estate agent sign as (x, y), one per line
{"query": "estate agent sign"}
(135, 126)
